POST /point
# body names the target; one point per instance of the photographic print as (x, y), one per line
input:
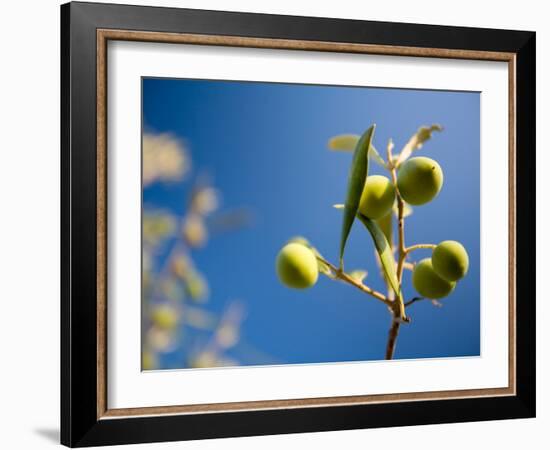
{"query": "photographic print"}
(298, 224)
(301, 224)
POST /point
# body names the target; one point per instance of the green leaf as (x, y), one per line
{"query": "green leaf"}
(384, 252)
(321, 266)
(348, 142)
(386, 225)
(375, 156)
(356, 182)
(344, 142)
(389, 148)
(358, 275)
(324, 269)
(416, 141)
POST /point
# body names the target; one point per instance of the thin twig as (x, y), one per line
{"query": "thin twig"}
(418, 247)
(392, 338)
(414, 300)
(343, 276)
(401, 239)
(417, 299)
(400, 226)
(398, 309)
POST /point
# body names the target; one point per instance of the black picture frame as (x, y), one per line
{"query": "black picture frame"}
(80, 425)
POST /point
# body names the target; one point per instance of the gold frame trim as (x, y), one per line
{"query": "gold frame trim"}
(103, 36)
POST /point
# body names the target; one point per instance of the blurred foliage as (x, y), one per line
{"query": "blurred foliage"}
(175, 293)
(164, 158)
(416, 141)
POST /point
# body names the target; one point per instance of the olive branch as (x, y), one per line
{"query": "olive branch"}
(377, 203)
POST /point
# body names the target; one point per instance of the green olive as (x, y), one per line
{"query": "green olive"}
(419, 180)
(450, 260)
(377, 197)
(297, 266)
(428, 283)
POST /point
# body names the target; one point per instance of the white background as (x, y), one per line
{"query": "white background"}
(29, 229)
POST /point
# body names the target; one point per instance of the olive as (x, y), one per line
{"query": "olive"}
(450, 260)
(428, 283)
(377, 197)
(419, 180)
(296, 266)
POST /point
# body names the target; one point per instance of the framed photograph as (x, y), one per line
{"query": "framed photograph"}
(276, 224)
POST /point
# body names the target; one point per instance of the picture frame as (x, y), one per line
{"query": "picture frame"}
(86, 29)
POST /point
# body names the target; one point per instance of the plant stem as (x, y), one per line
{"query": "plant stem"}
(392, 337)
(414, 300)
(398, 309)
(401, 249)
(343, 276)
(401, 237)
(418, 247)
(395, 308)
(417, 299)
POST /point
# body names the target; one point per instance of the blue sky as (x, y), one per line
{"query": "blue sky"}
(265, 147)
